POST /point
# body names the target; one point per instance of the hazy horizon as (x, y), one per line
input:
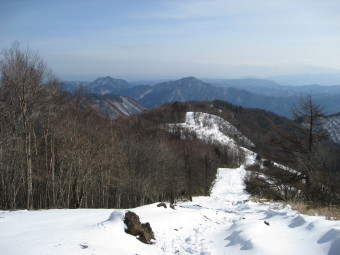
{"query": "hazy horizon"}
(294, 80)
(152, 39)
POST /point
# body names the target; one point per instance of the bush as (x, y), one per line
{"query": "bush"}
(258, 186)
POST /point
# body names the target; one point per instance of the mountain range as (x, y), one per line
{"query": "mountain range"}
(270, 88)
(252, 93)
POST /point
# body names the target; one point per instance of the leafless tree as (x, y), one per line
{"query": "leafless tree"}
(23, 75)
(309, 117)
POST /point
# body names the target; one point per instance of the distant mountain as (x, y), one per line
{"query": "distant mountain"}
(251, 93)
(102, 85)
(305, 79)
(242, 83)
(186, 89)
(108, 85)
(71, 86)
(192, 89)
(113, 106)
(148, 82)
(270, 88)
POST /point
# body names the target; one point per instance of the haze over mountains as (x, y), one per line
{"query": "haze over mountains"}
(254, 93)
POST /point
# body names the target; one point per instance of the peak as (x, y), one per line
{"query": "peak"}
(103, 78)
(109, 79)
(191, 78)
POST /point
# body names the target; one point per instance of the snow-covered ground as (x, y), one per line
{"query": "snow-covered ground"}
(224, 223)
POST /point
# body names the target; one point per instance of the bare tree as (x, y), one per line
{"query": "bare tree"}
(308, 133)
(309, 117)
(23, 74)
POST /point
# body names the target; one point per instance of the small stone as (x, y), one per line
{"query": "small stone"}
(162, 204)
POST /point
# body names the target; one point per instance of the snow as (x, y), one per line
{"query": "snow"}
(214, 129)
(210, 128)
(224, 223)
(332, 124)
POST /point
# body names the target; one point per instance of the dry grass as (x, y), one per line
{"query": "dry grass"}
(330, 212)
(259, 200)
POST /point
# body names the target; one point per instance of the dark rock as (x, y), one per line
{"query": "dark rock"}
(143, 232)
(162, 204)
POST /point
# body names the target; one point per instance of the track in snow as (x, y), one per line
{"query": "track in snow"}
(227, 223)
(224, 223)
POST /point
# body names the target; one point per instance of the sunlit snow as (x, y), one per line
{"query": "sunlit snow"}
(226, 222)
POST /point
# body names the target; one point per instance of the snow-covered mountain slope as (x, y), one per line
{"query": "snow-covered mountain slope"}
(224, 223)
(114, 106)
(332, 125)
(210, 128)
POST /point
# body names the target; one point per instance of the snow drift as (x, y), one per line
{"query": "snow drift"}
(224, 223)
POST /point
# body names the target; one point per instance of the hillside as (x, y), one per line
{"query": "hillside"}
(113, 106)
(332, 125)
(259, 126)
(210, 128)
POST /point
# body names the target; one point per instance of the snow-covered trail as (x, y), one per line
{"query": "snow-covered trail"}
(228, 223)
(208, 217)
(224, 223)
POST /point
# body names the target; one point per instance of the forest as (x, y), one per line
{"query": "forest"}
(55, 152)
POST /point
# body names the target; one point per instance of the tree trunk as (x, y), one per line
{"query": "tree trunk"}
(29, 178)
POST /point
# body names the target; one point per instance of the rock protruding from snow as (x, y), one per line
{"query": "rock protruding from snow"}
(162, 204)
(142, 231)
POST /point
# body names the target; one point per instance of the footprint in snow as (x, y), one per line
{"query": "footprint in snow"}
(84, 246)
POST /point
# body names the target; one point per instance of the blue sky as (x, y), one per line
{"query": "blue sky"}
(156, 39)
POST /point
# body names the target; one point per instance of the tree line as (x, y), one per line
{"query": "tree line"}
(314, 160)
(301, 144)
(57, 153)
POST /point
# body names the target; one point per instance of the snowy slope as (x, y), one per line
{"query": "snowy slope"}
(224, 223)
(332, 125)
(211, 128)
(114, 106)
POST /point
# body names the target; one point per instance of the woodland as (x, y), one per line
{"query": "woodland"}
(57, 153)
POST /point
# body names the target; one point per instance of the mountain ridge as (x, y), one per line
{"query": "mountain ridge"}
(247, 93)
